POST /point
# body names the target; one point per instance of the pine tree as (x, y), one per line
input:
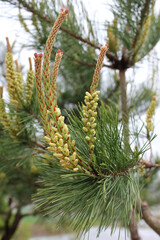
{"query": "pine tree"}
(19, 124)
(130, 39)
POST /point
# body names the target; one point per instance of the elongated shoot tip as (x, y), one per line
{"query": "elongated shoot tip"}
(1, 92)
(38, 55)
(59, 51)
(154, 98)
(8, 45)
(62, 10)
(30, 63)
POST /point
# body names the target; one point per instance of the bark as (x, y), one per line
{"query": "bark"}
(124, 105)
(11, 229)
(149, 164)
(133, 229)
(125, 118)
(152, 221)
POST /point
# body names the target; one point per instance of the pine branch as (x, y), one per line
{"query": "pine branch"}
(38, 144)
(125, 118)
(124, 104)
(143, 16)
(93, 65)
(149, 164)
(152, 221)
(47, 19)
(133, 229)
(12, 227)
(9, 215)
(101, 170)
(29, 8)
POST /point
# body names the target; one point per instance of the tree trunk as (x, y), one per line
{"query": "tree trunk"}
(124, 105)
(125, 118)
(10, 230)
(133, 229)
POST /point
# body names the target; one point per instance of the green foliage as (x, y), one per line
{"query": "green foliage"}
(111, 192)
(135, 32)
(108, 195)
(77, 57)
(19, 133)
(129, 17)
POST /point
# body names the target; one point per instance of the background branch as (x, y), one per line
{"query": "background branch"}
(149, 164)
(152, 221)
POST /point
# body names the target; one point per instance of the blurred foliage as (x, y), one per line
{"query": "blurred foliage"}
(133, 37)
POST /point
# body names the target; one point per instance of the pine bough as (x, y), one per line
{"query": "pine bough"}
(90, 173)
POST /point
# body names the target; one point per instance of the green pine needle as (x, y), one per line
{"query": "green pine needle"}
(106, 198)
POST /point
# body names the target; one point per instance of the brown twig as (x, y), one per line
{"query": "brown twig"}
(110, 55)
(11, 226)
(93, 65)
(39, 144)
(124, 104)
(149, 164)
(133, 228)
(152, 221)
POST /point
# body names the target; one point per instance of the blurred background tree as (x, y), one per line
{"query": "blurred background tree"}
(19, 145)
(132, 35)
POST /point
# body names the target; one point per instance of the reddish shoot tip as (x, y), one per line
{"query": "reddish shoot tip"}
(61, 10)
(58, 50)
(62, 53)
(106, 44)
(67, 10)
(154, 98)
(38, 55)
